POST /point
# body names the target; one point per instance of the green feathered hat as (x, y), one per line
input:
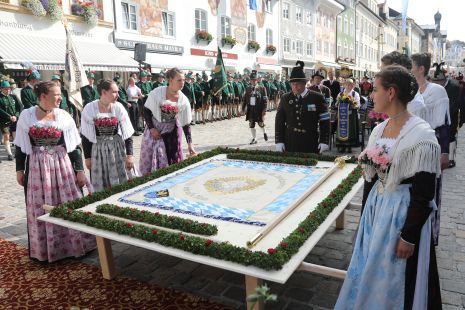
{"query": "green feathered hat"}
(189, 75)
(91, 75)
(55, 77)
(5, 84)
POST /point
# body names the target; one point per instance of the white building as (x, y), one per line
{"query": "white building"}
(325, 32)
(370, 39)
(455, 55)
(297, 33)
(168, 28)
(41, 41)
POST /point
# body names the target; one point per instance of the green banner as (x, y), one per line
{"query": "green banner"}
(219, 75)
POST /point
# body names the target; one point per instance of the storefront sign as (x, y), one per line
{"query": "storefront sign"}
(151, 47)
(15, 25)
(200, 52)
(267, 61)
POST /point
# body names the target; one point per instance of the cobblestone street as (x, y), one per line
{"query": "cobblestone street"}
(303, 290)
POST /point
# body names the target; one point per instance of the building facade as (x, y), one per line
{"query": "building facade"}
(325, 32)
(297, 34)
(345, 35)
(25, 37)
(186, 34)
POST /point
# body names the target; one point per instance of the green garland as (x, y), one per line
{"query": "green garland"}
(274, 159)
(158, 219)
(273, 259)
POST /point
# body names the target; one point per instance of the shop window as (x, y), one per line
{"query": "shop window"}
(168, 24)
(200, 20)
(129, 13)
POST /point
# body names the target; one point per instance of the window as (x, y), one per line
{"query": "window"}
(168, 23)
(251, 33)
(328, 21)
(326, 48)
(298, 14)
(346, 25)
(352, 55)
(286, 8)
(293, 46)
(346, 50)
(318, 17)
(309, 49)
(268, 7)
(351, 26)
(269, 37)
(299, 47)
(286, 45)
(225, 26)
(129, 12)
(339, 49)
(318, 46)
(308, 17)
(339, 23)
(200, 20)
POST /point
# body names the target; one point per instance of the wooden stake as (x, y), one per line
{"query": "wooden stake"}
(106, 258)
(251, 284)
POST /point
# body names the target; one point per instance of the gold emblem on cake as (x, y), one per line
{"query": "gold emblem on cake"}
(231, 185)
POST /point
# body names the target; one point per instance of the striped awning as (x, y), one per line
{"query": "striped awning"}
(47, 53)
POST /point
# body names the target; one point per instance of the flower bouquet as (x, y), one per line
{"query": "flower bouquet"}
(45, 136)
(40, 8)
(271, 49)
(88, 10)
(106, 126)
(203, 36)
(348, 99)
(377, 116)
(228, 40)
(253, 45)
(168, 112)
(378, 158)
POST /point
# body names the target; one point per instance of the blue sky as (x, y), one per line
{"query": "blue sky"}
(423, 12)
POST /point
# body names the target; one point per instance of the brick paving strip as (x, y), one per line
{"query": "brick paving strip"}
(303, 290)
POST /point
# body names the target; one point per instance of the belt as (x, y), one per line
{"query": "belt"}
(297, 129)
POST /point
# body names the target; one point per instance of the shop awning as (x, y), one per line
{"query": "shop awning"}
(331, 64)
(47, 53)
(180, 62)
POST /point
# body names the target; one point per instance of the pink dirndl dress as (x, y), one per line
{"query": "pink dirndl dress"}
(51, 180)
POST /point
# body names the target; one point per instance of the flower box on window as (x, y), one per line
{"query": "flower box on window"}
(49, 8)
(270, 49)
(253, 45)
(228, 41)
(203, 36)
(88, 10)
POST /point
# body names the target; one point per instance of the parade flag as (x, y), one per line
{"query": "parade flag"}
(219, 74)
(253, 4)
(75, 75)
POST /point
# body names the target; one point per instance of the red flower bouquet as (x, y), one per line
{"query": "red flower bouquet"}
(43, 136)
(106, 126)
(168, 112)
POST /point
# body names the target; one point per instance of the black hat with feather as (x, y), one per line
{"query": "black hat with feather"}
(439, 73)
(297, 73)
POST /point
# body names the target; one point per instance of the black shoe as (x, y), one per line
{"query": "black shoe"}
(254, 141)
(265, 136)
(451, 163)
(136, 133)
(192, 123)
(10, 157)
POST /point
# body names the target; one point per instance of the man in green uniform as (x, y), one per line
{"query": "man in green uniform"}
(231, 96)
(65, 104)
(145, 86)
(302, 118)
(205, 86)
(215, 100)
(238, 93)
(160, 80)
(122, 96)
(198, 93)
(189, 91)
(28, 97)
(9, 113)
(89, 92)
(254, 107)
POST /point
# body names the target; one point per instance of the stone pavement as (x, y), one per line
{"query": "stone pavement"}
(303, 290)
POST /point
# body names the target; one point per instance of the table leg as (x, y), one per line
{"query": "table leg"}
(106, 258)
(340, 220)
(251, 283)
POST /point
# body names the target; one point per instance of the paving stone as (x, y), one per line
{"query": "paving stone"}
(299, 294)
(215, 288)
(324, 300)
(211, 273)
(186, 266)
(453, 286)
(297, 306)
(236, 293)
(15, 230)
(233, 278)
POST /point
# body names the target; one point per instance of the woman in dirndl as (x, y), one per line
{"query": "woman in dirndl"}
(49, 167)
(167, 114)
(393, 265)
(107, 138)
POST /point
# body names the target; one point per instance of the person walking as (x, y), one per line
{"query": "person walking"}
(9, 113)
(254, 107)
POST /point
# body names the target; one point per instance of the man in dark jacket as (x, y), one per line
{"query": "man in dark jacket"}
(28, 97)
(89, 92)
(302, 118)
(9, 114)
(254, 106)
(333, 85)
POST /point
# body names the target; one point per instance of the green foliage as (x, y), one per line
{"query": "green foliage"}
(229, 40)
(35, 6)
(253, 45)
(273, 259)
(158, 219)
(203, 35)
(262, 293)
